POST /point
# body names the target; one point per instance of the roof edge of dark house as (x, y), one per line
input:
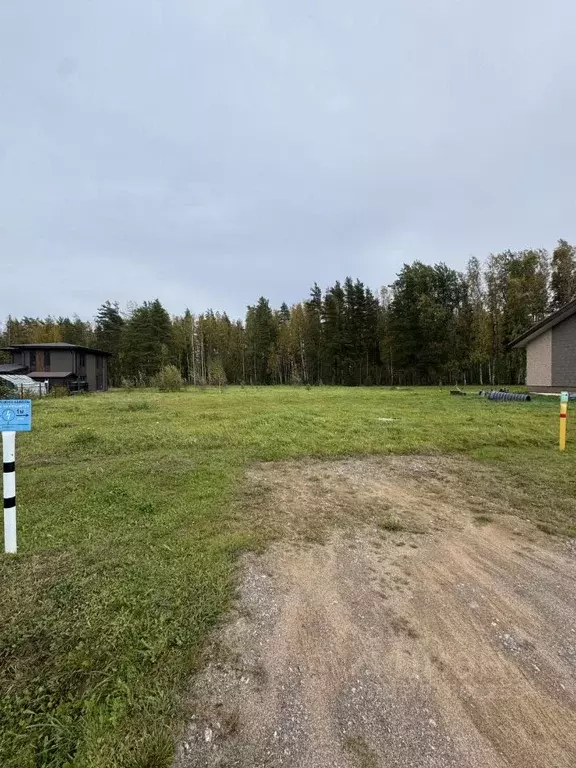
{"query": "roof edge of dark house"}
(50, 374)
(55, 345)
(544, 325)
(11, 368)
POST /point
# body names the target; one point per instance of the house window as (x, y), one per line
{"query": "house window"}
(32, 361)
(99, 362)
(82, 360)
(46, 360)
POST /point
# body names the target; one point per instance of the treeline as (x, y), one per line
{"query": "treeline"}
(432, 325)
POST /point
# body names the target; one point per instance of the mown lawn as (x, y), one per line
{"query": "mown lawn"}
(129, 527)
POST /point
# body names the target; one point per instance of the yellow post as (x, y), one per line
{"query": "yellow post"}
(563, 419)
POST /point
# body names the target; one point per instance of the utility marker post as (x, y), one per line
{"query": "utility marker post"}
(15, 416)
(563, 419)
(9, 478)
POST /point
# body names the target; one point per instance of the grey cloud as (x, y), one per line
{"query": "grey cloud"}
(210, 152)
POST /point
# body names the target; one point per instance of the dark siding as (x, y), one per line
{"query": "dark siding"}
(564, 354)
(91, 370)
(62, 360)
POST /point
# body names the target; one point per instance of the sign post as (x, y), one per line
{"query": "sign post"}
(15, 416)
(563, 419)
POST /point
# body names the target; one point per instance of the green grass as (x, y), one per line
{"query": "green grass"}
(129, 527)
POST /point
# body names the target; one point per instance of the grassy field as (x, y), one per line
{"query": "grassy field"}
(130, 523)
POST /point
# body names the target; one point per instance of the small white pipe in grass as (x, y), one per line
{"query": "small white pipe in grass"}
(9, 478)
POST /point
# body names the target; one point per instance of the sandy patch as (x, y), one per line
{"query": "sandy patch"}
(435, 642)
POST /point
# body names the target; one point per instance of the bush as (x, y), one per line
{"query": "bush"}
(59, 392)
(169, 379)
(140, 381)
(6, 390)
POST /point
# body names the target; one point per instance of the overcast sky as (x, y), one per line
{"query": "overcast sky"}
(210, 152)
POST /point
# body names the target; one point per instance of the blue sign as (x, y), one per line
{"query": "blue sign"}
(15, 415)
(563, 397)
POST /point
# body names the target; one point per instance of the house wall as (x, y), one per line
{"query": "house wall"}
(539, 361)
(564, 354)
(26, 358)
(62, 361)
(97, 376)
(91, 371)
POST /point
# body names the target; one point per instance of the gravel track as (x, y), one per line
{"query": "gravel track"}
(455, 646)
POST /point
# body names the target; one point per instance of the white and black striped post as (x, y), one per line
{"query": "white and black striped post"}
(9, 483)
(15, 416)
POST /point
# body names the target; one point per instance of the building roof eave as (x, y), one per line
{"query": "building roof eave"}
(542, 326)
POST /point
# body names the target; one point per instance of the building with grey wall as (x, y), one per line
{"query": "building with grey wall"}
(62, 364)
(551, 351)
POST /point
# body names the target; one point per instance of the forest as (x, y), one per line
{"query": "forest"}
(433, 325)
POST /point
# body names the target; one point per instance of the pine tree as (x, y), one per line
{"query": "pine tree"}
(147, 342)
(313, 335)
(108, 337)
(261, 337)
(283, 345)
(372, 339)
(333, 331)
(425, 326)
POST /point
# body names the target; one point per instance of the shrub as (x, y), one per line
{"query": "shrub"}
(6, 390)
(139, 381)
(169, 379)
(59, 392)
(217, 374)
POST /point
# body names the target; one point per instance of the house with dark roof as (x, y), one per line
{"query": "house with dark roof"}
(551, 351)
(60, 364)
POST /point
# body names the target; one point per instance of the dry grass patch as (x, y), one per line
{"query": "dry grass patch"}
(304, 500)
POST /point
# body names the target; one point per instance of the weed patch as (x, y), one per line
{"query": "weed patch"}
(546, 528)
(391, 524)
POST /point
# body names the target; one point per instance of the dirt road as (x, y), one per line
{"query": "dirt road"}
(424, 640)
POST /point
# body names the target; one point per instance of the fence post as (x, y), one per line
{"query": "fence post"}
(563, 419)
